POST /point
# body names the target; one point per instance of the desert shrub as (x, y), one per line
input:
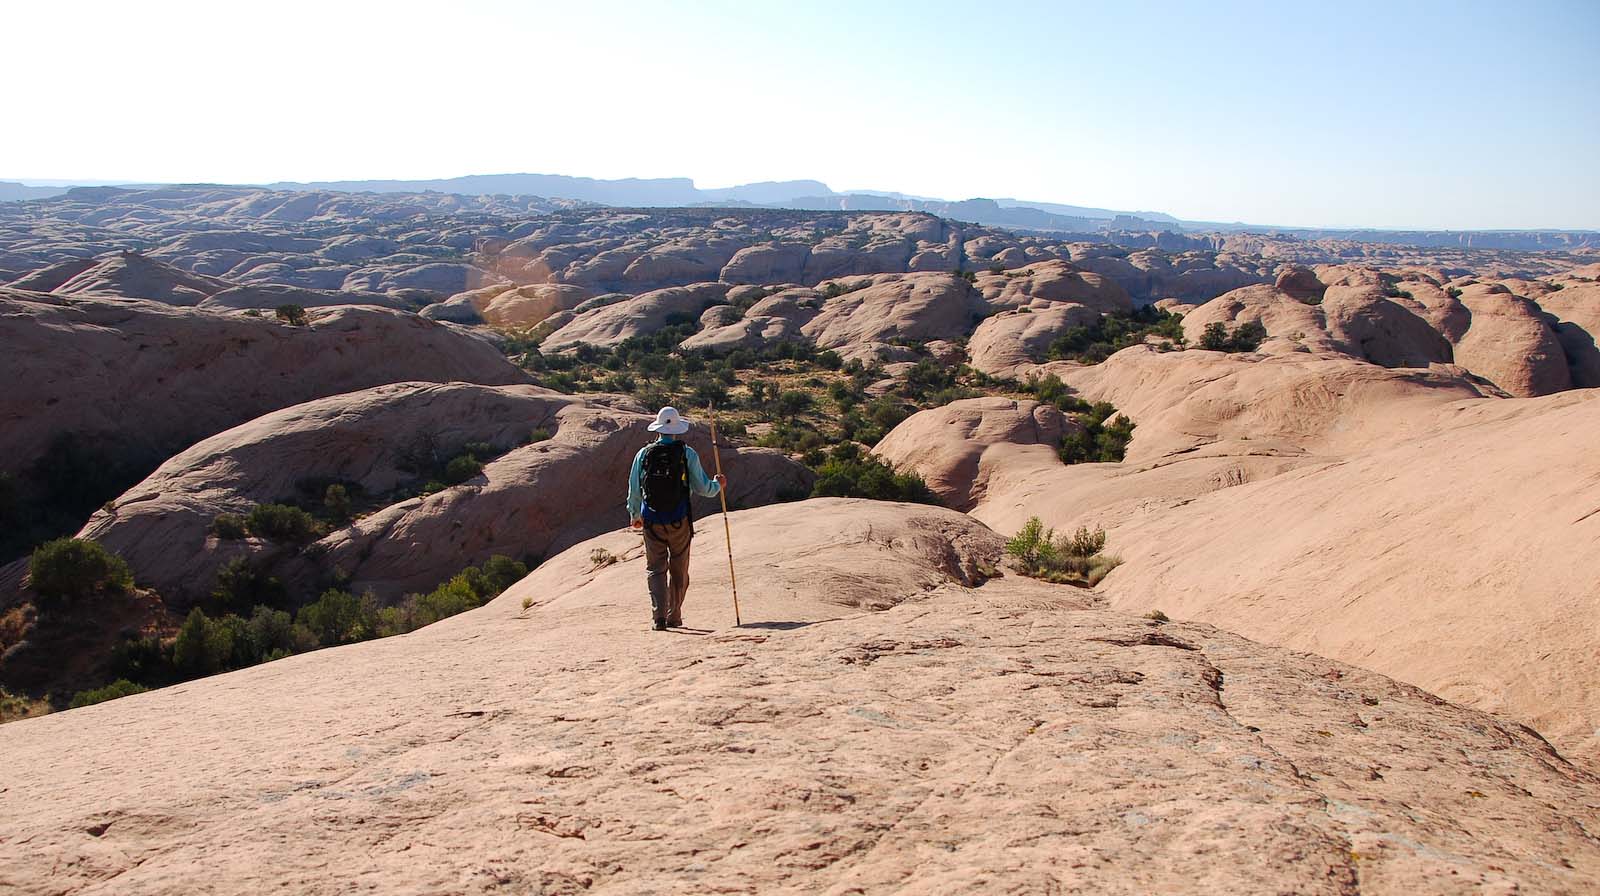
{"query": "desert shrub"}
(143, 660)
(1074, 559)
(1050, 389)
(1157, 616)
(455, 596)
(462, 468)
(337, 617)
(600, 557)
(501, 572)
(1453, 292)
(1113, 332)
(229, 526)
(70, 569)
(336, 504)
(206, 646)
(792, 403)
(793, 438)
(281, 522)
(242, 584)
(1393, 291)
(273, 635)
(1084, 543)
(708, 391)
(1033, 544)
(471, 588)
(848, 473)
(1094, 441)
(293, 315)
(844, 394)
(1246, 337)
(872, 421)
(119, 688)
(539, 435)
(20, 706)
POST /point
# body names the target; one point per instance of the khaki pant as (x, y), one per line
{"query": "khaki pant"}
(666, 563)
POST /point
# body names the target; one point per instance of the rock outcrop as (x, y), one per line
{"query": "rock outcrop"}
(532, 499)
(134, 276)
(956, 447)
(1006, 737)
(919, 307)
(609, 325)
(1510, 343)
(148, 379)
(1378, 516)
(1055, 281)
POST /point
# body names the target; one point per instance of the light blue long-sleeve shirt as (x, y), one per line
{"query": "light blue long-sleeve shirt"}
(699, 482)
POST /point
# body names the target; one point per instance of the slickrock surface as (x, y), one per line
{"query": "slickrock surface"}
(532, 499)
(1056, 281)
(911, 306)
(133, 276)
(1393, 519)
(152, 378)
(1007, 738)
(957, 448)
(611, 324)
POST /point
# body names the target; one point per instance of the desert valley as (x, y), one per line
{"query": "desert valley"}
(1115, 560)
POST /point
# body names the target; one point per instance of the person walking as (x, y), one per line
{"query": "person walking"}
(665, 474)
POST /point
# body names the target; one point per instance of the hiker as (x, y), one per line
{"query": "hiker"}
(664, 474)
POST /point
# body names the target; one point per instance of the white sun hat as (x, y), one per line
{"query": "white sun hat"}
(670, 423)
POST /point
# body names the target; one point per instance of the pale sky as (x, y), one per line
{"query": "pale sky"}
(1395, 114)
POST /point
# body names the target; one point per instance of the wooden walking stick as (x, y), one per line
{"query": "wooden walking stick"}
(727, 535)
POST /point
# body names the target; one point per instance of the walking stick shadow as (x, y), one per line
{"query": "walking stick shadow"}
(783, 626)
(684, 630)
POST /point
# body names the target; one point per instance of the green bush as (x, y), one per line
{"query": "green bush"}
(273, 634)
(119, 688)
(293, 315)
(1246, 337)
(1094, 441)
(229, 526)
(206, 646)
(462, 468)
(847, 473)
(336, 504)
(337, 617)
(280, 522)
(501, 572)
(539, 435)
(792, 403)
(1114, 332)
(69, 569)
(471, 588)
(1075, 559)
(242, 584)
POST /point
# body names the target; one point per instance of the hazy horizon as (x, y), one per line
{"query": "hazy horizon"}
(1432, 116)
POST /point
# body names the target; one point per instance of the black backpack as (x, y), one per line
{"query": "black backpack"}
(666, 476)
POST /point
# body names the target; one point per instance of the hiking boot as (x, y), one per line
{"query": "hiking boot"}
(659, 626)
(674, 623)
